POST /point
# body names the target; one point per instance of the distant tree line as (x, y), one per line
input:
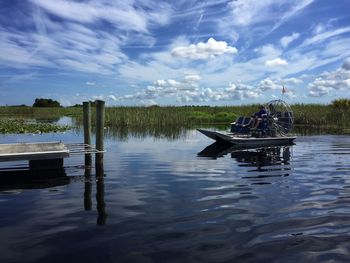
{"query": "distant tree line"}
(46, 103)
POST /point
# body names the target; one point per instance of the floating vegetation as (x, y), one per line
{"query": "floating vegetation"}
(16, 126)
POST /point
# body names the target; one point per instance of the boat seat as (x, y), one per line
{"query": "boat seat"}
(239, 121)
(247, 121)
(241, 125)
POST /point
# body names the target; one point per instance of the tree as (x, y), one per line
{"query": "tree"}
(46, 103)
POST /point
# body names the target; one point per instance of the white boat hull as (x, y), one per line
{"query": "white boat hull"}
(247, 140)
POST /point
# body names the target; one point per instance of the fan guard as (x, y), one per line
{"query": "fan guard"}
(281, 116)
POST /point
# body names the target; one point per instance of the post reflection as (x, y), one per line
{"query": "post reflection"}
(100, 192)
(87, 189)
(100, 195)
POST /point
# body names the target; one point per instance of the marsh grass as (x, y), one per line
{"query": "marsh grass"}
(154, 118)
(39, 113)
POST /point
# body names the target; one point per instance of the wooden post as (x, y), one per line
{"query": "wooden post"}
(100, 120)
(87, 129)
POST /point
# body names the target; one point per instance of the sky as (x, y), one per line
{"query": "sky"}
(184, 52)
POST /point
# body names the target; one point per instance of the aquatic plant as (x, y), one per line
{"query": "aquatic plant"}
(16, 126)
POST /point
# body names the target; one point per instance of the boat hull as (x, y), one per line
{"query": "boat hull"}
(247, 140)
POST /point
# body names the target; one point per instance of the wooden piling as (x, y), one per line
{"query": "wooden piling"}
(87, 129)
(100, 120)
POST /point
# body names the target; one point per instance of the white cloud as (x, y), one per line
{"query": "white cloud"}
(166, 88)
(321, 37)
(112, 97)
(235, 92)
(246, 12)
(192, 77)
(292, 81)
(275, 62)
(293, 11)
(202, 50)
(286, 40)
(317, 29)
(268, 51)
(346, 64)
(319, 91)
(338, 80)
(125, 15)
(90, 83)
(188, 90)
(69, 46)
(268, 84)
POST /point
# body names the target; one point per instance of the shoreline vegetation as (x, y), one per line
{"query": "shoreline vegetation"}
(13, 119)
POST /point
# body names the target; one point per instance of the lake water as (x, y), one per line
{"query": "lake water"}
(180, 199)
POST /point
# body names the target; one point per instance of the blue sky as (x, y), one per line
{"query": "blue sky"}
(183, 52)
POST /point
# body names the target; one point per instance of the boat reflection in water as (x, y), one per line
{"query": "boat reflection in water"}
(265, 161)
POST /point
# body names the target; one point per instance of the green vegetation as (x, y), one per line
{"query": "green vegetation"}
(21, 126)
(46, 103)
(38, 112)
(335, 115)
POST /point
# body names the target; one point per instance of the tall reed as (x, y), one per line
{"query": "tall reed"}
(335, 114)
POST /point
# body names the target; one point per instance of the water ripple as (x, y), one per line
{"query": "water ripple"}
(183, 201)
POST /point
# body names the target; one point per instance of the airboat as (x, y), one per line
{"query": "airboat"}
(273, 129)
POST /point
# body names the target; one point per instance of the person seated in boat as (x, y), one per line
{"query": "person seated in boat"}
(258, 116)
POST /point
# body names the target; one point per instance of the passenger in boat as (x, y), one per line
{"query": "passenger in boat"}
(258, 116)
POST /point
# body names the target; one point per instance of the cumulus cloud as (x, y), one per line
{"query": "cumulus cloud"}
(268, 84)
(346, 64)
(286, 40)
(192, 77)
(319, 91)
(331, 81)
(90, 83)
(292, 81)
(234, 92)
(276, 62)
(112, 97)
(210, 49)
(188, 90)
(166, 88)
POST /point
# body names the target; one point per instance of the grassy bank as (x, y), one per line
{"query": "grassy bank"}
(159, 117)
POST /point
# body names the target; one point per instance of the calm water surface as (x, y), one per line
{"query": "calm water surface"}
(181, 200)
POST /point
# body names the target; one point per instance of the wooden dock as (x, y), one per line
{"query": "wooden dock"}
(40, 155)
(33, 151)
(48, 155)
